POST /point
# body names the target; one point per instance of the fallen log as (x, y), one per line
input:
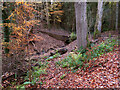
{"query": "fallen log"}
(60, 51)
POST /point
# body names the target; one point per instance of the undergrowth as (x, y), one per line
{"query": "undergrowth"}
(52, 57)
(33, 75)
(75, 60)
(79, 58)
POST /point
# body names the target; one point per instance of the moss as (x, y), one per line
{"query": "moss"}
(87, 38)
(96, 33)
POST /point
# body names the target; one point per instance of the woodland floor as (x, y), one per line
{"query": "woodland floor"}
(104, 76)
(47, 41)
(101, 76)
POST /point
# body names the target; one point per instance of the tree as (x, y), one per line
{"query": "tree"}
(117, 8)
(1, 41)
(6, 29)
(21, 21)
(98, 23)
(81, 24)
(47, 14)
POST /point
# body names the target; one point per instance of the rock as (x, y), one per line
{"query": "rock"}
(38, 53)
(60, 51)
(52, 53)
(67, 42)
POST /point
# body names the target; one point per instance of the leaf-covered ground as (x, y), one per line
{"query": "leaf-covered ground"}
(102, 76)
(101, 73)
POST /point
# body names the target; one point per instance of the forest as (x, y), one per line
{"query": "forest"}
(59, 45)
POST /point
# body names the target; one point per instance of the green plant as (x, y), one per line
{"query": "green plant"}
(79, 58)
(73, 36)
(18, 87)
(63, 76)
(58, 63)
(109, 35)
(72, 61)
(52, 57)
(33, 75)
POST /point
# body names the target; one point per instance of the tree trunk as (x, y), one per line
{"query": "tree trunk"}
(51, 2)
(98, 24)
(117, 15)
(1, 27)
(47, 14)
(5, 15)
(81, 24)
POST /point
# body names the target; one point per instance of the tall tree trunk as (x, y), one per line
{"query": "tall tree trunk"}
(5, 15)
(51, 2)
(81, 24)
(98, 23)
(1, 5)
(47, 14)
(117, 8)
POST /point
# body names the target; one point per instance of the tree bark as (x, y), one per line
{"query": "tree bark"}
(51, 2)
(98, 24)
(117, 8)
(5, 15)
(81, 24)
(47, 14)
(1, 27)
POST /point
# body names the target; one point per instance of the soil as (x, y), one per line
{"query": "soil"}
(99, 77)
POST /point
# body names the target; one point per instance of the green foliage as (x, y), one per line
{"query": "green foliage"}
(76, 59)
(73, 36)
(54, 56)
(20, 87)
(109, 35)
(63, 76)
(72, 61)
(33, 75)
(102, 48)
